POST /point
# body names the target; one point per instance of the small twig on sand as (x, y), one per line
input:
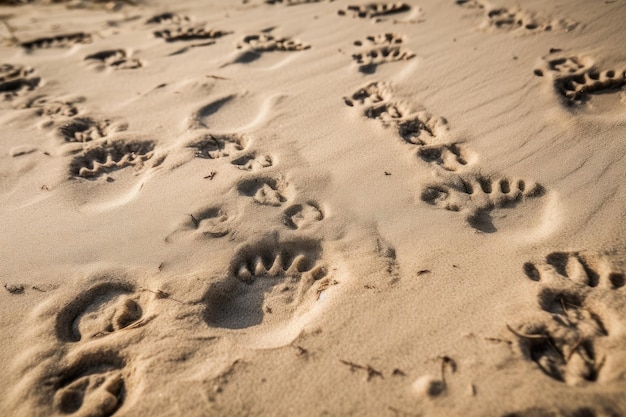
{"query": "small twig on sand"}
(527, 336)
(446, 362)
(371, 372)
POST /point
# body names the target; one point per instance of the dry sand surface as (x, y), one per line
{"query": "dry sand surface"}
(308, 208)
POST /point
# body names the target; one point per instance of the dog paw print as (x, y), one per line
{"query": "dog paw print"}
(51, 109)
(110, 156)
(57, 41)
(91, 386)
(419, 128)
(91, 373)
(478, 196)
(372, 94)
(449, 157)
(576, 79)
(303, 216)
(87, 129)
(167, 18)
(374, 10)
(16, 79)
(209, 146)
(253, 161)
(117, 59)
(265, 190)
(269, 284)
(189, 33)
(576, 300)
(380, 49)
(265, 42)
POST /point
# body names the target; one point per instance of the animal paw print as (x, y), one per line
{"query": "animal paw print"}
(421, 128)
(16, 79)
(373, 10)
(478, 196)
(381, 48)
(92, 379)
(575, 78)
(267, 191)
(268, 283)
(168, 18)
(210, 146)
(207, 223)
(91, 386)
(372, 94)
(501, 18)
(114, 58)
(268, 43)
(86, 129)
(53, 109)
(568, 340)
(414, 127)
(211, 222)
(303, 216)
(58, 41)
(189, 34)
(253, 162)
(375, 99)
(470, 4)
(110, 156)
(449, 157)
(104, 309)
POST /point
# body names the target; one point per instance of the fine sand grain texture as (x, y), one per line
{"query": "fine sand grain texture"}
(309, 208)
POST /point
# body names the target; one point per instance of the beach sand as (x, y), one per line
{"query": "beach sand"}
(309, 208)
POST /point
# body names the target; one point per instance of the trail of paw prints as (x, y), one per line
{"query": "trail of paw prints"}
(419, 128)
(117, 59)
(576, 79)
(374, 10)
(501, 18)
(477, 196)
(91, 374)
(270, 284)
(16, 80)
(380, 49)
(57, 41)
(579, 298)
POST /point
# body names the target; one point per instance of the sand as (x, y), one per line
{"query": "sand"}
(307, 208)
